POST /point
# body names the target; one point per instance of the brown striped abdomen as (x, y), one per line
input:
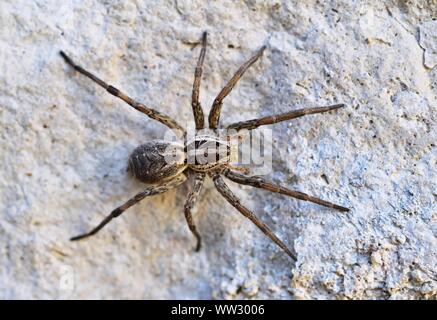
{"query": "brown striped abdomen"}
(157, 161)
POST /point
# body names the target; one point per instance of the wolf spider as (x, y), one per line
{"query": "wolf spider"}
(149, 162)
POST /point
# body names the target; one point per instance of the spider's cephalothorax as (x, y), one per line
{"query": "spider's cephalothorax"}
(165, 165)
(207, 152)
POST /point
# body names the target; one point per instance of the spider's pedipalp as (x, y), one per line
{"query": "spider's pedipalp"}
(258, 182)
(155, 115)
(192, 197)
(214, 114)
(150, 191)
(199, 118)
(255, 123)
(235, 202)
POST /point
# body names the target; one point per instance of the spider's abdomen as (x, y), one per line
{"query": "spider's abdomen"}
(157, 161)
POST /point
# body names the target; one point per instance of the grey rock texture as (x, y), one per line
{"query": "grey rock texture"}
(64, 145)
(428, 41)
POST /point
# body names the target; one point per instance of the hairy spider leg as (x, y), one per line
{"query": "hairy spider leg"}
(255, 123)
(189, 204)
(150, 191)
(155, 115)
(259, 182)
(214, 114)
(235, 202)
(199, 118)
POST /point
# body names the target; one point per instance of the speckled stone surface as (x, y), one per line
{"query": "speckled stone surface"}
(64, 143)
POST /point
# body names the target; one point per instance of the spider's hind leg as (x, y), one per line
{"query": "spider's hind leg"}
(154, 114)
(150, 191)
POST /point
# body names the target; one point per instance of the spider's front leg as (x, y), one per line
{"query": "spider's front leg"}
(233, 200)
(192, 197)
(150, 191)
(259, 182)
(255, 123)
(199, 118)
(214, 114)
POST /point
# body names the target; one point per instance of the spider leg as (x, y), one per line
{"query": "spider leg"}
(255, 123)
(192, 197)
(197, 108)
(214, 114)
(156, 115)
(237, 168)
(150, 191)
(259, 182)
(235, 202)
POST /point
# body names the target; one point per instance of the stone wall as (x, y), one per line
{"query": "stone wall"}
(65, 142)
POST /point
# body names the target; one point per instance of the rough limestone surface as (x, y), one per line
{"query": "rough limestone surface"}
(65, 142)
